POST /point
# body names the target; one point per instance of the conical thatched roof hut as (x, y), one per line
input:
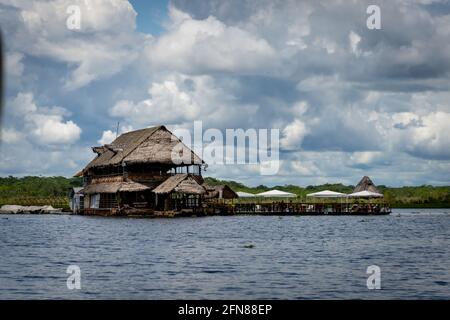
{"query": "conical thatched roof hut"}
(366, 185)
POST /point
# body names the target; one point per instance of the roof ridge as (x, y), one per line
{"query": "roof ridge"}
(145, 137)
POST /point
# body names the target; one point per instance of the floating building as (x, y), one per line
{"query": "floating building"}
(150, 172)
(136, 175)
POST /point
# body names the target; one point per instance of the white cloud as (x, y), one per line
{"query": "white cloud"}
(109, 136)
(11, 136)
(168, 104)
(405, 119)
(14, 64)
(354, 39)
(26, 158)
(366, 157)
(430, 139)
(22, 104)
(209, 45)
(44, 125)
(106, 42)
(293, 135)
(371, 102)
(305, 168)
(51, 129)
(181, 99)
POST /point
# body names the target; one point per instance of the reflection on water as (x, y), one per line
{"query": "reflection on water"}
(241, 257)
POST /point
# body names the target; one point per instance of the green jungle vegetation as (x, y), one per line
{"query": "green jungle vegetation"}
(32, 190)
(37, 191)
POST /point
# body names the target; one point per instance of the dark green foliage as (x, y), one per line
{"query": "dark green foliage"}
(11, 187)
(426, 196)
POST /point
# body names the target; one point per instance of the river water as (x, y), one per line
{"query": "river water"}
(238, 257)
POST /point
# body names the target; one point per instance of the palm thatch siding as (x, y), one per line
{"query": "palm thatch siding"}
(151, 145)
(366, 184)
(182, 183)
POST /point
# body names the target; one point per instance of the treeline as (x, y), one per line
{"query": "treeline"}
(13, 188)
(425, 196)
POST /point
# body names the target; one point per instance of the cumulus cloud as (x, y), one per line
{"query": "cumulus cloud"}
(109, 136)
(182, 99)
(209, 45)
(51, 129)
(14, 64)
(44, 125)
(428, 139)
(100, 48)
(293, 133)
(38, 140)
(168, 104)
(348, 101)
(367, 159)
(11, 136)
(23, 104)
(354, 39)
(305, 168)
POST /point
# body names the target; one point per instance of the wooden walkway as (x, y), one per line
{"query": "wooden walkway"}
(266, 208)
(283, 208)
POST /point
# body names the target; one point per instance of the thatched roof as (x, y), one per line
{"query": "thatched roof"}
(183, 183)
(133, 186)
(220, 191)
(151, 145)
(114, 187)
(366, 184)
(78, 174)
(111, 187)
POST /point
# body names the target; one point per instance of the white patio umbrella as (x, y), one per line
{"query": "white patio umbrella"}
(242, 194)
(327, 194)
(365, 194)
(276, 194)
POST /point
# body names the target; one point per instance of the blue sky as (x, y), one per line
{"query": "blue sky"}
(151, 15)
(348, 101)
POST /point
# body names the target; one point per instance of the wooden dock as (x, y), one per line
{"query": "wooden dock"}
(274, 208)
(282, 208)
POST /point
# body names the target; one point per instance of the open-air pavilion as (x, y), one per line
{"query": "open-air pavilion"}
(327, 194)
(276, 194)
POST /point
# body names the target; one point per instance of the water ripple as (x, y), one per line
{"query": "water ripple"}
(242, 257)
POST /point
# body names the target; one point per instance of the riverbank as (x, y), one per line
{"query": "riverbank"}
(40, 191)
(16, 209)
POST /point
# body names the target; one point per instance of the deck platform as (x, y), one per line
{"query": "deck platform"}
(264, 209)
